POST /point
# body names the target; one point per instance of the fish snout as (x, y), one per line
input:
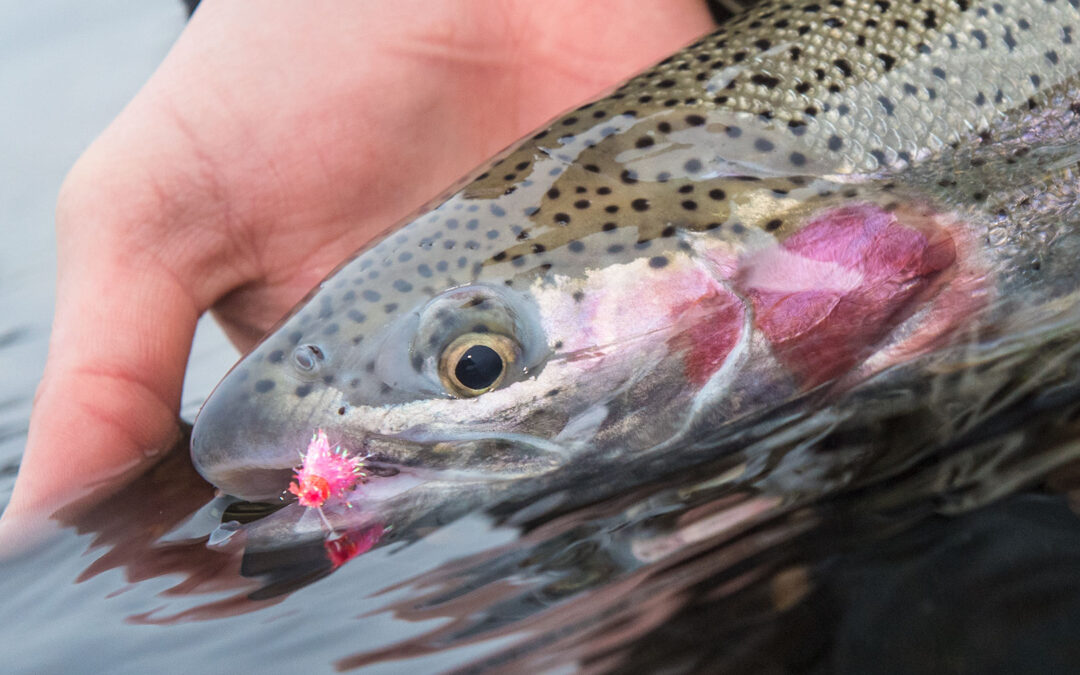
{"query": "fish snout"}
(246, 450)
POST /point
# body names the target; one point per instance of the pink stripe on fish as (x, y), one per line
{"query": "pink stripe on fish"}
(835, 288)
(709, 339)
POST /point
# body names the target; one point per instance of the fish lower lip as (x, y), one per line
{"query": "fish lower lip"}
(380, 470)
(378, 489)
(253, 483)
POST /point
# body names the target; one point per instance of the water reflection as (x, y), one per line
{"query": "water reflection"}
(155, 527)
(897, 554)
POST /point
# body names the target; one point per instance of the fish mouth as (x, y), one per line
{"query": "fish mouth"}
(256, 461)
(252, 451)
(250, 483)
(255, 471)
(249, 462)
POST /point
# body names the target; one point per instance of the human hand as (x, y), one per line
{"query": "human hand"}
(275, 139)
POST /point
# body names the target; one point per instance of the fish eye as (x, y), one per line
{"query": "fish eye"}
(306, 358)
(476, 363)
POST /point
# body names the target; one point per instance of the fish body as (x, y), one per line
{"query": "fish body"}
(798, 202)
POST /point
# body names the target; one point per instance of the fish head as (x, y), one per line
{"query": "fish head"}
(494, 374)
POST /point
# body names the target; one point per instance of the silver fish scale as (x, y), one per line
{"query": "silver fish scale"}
(878, 82)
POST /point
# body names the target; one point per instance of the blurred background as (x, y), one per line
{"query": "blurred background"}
(66, 69)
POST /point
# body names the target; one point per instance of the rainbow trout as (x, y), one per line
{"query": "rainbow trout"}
(803, 201)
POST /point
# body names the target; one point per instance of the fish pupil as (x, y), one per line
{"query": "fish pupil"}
(479, 367)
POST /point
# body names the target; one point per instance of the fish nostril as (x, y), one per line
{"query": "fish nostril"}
(306, 358)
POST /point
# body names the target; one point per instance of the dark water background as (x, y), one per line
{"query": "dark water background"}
(944, 566)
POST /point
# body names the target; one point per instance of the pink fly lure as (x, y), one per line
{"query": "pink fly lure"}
(324, 473)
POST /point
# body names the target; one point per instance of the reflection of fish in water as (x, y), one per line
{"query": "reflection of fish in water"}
(803, 199)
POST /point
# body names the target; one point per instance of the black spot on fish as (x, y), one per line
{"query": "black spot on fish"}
(1010, 41)
(766, 81)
